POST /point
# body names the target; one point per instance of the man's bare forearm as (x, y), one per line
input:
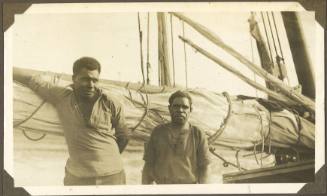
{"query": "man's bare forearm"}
(147, 174)
(203, 175)
(122, 143)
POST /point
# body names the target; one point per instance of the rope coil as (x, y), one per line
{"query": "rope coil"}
(220, 130)
(55, 80)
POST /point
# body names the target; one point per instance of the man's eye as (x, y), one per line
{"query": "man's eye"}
(181, 106)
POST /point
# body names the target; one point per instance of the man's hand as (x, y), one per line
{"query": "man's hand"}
(122, 143)
(203, 175)
(147, 174)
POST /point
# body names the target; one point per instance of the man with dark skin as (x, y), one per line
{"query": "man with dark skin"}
(177, 152)
(93, 124)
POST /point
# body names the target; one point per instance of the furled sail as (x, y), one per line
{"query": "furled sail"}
(227, 120)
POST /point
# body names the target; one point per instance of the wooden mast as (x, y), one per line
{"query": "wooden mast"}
(163, 64)
(300, 56)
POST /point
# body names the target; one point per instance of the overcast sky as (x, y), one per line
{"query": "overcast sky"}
(53, 40)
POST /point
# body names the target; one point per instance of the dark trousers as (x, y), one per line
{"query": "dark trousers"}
(115, 179)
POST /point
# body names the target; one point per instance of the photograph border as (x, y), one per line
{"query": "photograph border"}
(10, 8)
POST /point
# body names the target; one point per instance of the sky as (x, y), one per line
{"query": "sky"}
(53, 40)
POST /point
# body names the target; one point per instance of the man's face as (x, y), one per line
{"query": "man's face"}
(84, 83)
(180, 110)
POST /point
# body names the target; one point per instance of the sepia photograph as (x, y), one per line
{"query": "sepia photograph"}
(131, 98)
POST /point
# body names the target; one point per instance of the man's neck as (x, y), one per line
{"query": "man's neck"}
(180, 127)
(87, 101)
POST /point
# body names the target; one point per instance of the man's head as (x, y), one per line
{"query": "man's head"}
(180, 107)
(86, 71)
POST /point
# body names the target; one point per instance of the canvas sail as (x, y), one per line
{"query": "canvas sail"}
(234, 122)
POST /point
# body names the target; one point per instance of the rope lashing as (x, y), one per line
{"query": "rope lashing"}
(225, 162)
(263, 138)
(129, 94)
(262, 135)
(31, 138)
(30, 116)
(146, 104)
(237, 160)
(269, 133)
(219, 131)
(56, 79)
(255, 152)
(142, 89)
(299, 126)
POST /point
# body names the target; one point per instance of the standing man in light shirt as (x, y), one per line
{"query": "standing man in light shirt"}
(93, 123)
(177, 152)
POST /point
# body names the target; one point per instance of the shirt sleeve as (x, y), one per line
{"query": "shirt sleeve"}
(118, 122)
(45, 89)
(149, 149)
(203, 153)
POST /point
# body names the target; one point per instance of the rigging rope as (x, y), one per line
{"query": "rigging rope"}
(281, 56)
(31, 138)
(225, 162)
(146, 109)
(141, 49)
(277, 35)
(146, 99)
(172, 47)
(237, 160)
(219, 131)
(56, 79)
(145, 104)
(265, 28)
(278, 58)
(272, 34)
(30, 116)
(185, 58)
(148, 65)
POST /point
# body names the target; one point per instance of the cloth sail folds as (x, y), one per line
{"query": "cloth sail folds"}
(249, 123)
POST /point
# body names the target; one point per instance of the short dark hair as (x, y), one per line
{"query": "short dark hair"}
(182, 94)
(86, 62)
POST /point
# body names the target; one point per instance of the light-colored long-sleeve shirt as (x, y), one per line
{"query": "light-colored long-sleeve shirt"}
(92, 146)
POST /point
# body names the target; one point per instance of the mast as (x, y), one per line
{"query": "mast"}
(300, 55)
(163, 64)
(265, 60)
